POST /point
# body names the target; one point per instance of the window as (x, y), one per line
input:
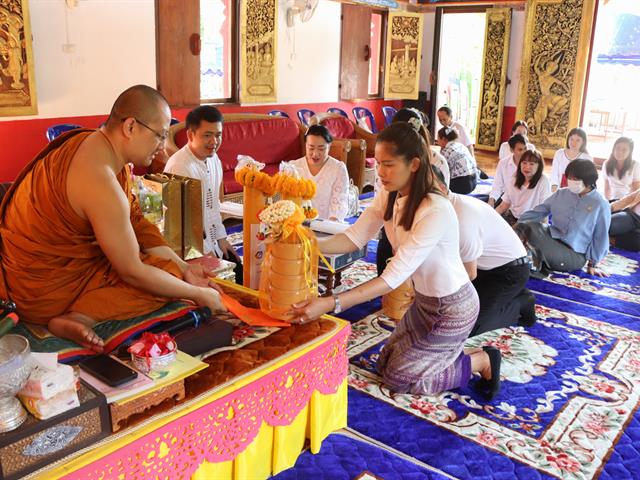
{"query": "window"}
(217, 72)
(378, 29)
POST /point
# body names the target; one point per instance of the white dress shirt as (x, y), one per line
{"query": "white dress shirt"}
(619, 187)
(505, 149)
(332, 192)
(209, 172)
(523, 199)
(560, 162)
(484, 236)
(505, 173)
(428, 252)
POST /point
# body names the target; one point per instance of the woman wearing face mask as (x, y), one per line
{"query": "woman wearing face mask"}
(330, 175)
(528, 189)
(580, 230)
(576, 148)
(621, 172)
(425, 353)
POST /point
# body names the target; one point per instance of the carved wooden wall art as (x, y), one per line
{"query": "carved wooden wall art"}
(554, 62)
(17, 78)
(404, 44)
(258, 27)
(494, 77)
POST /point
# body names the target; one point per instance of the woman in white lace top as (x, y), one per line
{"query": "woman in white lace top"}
(330, 175)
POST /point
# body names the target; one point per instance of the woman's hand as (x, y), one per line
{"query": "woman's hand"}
(597, 272)
(305, 312)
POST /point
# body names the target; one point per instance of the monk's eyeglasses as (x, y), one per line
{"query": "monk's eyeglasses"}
(160, 136)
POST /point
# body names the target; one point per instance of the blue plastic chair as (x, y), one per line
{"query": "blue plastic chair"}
(389, 113)
(362, 112)
(278, 113)
(337, 110)
(56, 130)
(304, 114)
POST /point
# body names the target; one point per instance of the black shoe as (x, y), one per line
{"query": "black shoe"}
(483, 175)
(527, 308)
(490, 388)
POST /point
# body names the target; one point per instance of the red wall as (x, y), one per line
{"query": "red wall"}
(21, 140)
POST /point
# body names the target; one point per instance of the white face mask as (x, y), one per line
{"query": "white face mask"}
(575, 186)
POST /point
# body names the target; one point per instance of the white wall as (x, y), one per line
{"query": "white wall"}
(112, 45)
(428, 32)
(309, 55)
(515, 57)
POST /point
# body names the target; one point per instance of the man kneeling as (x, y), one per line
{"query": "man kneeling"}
(75, 247)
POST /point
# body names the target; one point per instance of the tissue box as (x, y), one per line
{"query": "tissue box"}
(46, 383)
(38, 443)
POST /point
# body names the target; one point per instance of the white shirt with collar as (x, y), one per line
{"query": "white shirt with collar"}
(463, 136)
(209, 172)
(428, 252)
(505, 174)
(524, 199)
(560, 162)
(484, 235)
(332, 192)
(505, 149)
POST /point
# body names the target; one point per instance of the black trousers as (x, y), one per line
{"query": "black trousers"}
(625, 228)
(463, 185)
(504, 300)
(383, 253)
(555, 255)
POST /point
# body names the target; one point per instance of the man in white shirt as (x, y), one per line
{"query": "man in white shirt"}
(507, 168)
(497, 264)
(198, 159)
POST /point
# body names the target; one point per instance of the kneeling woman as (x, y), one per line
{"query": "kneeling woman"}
(330, 175)
(580, 229)
(625, 222)
(424, 354)
(462, 165)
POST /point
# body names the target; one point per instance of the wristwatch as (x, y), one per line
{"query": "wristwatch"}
(337, 308)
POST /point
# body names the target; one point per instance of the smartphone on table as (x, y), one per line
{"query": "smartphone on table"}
(108, 370)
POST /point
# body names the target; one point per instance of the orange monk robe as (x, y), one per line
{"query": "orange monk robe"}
(51, 261)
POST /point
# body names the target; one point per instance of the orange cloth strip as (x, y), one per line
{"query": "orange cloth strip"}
(250, 316)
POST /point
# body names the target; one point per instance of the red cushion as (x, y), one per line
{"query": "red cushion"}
(181, 138)
(369, 162)
(340, 127)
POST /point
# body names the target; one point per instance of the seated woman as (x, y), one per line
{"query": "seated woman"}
(425, 353)
(576, 148)
(519, 127)
(330, 175)
(462, 165)
(529, 188)
(621, 172)
(580, 229)
(625, 222)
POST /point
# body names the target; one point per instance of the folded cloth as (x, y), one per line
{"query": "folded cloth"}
(43, 409)
(45, 383)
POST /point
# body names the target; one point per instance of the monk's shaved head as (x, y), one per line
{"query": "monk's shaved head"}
(141, 102)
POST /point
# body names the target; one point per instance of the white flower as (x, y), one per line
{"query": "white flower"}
(278, 212)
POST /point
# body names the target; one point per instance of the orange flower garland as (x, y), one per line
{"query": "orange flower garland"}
(250, 177)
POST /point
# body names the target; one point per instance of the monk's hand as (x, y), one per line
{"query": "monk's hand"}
(208, 297)
(199, 276)
(309, 310)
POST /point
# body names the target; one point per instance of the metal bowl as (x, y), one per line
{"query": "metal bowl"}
(15, 368)
(153, 364)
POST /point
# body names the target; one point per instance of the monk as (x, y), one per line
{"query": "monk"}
(74, 246)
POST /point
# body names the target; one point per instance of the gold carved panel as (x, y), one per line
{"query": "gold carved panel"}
(404, 45)
(258, 33)
(494, 78)
(17, 78)
(554, 63)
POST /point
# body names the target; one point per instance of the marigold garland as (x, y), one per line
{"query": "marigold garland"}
(294, 187)
(250, 177)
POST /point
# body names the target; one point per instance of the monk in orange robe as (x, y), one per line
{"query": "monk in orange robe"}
(74, 246)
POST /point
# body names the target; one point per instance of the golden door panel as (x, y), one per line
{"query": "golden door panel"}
(17, 78)
(404, 44)
(494, 78)
(554, 64)
(258, 26)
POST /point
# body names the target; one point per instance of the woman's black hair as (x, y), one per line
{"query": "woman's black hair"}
(584, 170)
(202, 113)
(531, 156)
(519, 123)
(449, 133)
(405, 142)
(407, 114)
(446, 110)
(516, 139)
(610, 165)
(319, 131)
(582, 134)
